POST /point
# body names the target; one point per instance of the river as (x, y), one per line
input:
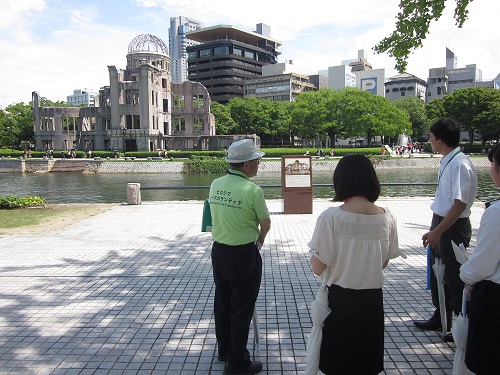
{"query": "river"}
(111, 188)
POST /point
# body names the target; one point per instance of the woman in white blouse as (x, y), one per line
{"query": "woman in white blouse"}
(481, 275)
(352, 243)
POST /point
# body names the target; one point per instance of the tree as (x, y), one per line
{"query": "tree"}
(476, 109)
(415, 107)
(16, 124)
(435, 110)
(412, 26)
(224, 123)
(313, 113)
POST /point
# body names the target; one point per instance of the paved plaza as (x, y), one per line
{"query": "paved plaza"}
(130, 291)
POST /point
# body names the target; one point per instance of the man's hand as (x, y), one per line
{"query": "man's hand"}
(431, 239)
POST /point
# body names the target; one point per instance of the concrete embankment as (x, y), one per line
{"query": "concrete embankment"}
(157, 166)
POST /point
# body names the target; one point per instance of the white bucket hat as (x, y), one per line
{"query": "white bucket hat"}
(243, 150)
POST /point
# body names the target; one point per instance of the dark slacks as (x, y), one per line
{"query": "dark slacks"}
(459, 232)
(483, 339)
(237, 274)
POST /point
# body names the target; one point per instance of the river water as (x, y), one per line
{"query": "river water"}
(111, 188)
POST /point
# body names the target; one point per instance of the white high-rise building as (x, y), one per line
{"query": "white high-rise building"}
(80, 96)
(177, 44)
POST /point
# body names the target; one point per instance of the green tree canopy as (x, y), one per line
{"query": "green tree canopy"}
(16, 120)
(415, 107)
(476, 109)
(412, 26)
(224, 123)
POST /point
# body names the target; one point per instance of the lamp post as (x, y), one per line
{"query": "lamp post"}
(123, 139)
(10, 133)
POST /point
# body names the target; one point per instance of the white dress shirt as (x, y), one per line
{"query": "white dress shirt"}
(456, 180)
(484, 263)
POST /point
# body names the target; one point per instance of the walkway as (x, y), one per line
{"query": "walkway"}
(130, 292)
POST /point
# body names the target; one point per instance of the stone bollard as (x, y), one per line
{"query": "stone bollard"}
(133, 193)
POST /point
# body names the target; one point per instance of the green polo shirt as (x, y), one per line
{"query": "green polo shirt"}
(237, 206)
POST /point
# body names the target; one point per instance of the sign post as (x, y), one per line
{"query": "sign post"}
(296, 184)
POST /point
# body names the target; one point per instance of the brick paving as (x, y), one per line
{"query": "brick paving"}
(130, 291)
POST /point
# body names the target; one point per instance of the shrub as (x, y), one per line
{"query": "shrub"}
(205, 164)
(12, 201)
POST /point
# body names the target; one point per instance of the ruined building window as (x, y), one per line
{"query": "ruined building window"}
(152, 98)
(198, 124)
(165, 128)
(178, 101)
(180, 124)
(197, 101)
(165, 105)
(164, 83)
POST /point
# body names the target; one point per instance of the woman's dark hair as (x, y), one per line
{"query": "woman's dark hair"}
(355, 175)
(494, 155)
(447, 130)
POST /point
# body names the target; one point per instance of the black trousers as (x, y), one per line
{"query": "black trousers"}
(237, 274)
(459, 232)
(483, 343)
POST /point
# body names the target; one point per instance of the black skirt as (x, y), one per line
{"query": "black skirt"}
(353, 333)
(482, 355)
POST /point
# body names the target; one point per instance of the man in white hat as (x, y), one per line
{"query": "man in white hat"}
(240, 223)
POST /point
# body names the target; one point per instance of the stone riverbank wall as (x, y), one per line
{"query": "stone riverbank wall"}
(157, 166)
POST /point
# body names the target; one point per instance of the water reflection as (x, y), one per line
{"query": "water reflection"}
(111, 188)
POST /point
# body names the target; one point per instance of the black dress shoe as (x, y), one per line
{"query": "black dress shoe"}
(434, 323)
(254, 368)
(428, 325)
(448, 337)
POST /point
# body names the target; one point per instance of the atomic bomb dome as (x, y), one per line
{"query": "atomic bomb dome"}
(147, 43)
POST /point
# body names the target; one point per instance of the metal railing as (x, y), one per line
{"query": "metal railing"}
(279, 186)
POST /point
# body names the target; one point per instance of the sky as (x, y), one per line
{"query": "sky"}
(56, 46)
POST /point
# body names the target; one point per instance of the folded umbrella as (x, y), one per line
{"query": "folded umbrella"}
(438, 268)
(459, 332)
(256, 338)
(319, 312)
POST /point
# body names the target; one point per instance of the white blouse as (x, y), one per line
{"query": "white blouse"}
(484, 263)
(355, 246)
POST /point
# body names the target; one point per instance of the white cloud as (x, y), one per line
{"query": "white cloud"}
(13, 12)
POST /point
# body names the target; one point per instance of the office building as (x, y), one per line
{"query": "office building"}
(80, 97)
(446, 80)
(226, 56)
(278, 83)
(405, 84)
(178, 43)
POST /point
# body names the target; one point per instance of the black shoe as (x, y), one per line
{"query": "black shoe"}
(434, 323)
(448, 337)
(254, 368)
(222, 358)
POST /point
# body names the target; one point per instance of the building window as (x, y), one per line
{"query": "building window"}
(204, 52)
(237, 51)
(198, 124)
(198, 101)
(178, 101)
(165, 105)
(164, 83)
(192, 55)
(249, 55)
(403, 93)
(179, 124)
(223, 50)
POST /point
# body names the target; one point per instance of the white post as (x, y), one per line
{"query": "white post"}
(133, 193)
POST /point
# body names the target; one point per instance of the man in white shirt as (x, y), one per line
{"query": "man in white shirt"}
(457, 187)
